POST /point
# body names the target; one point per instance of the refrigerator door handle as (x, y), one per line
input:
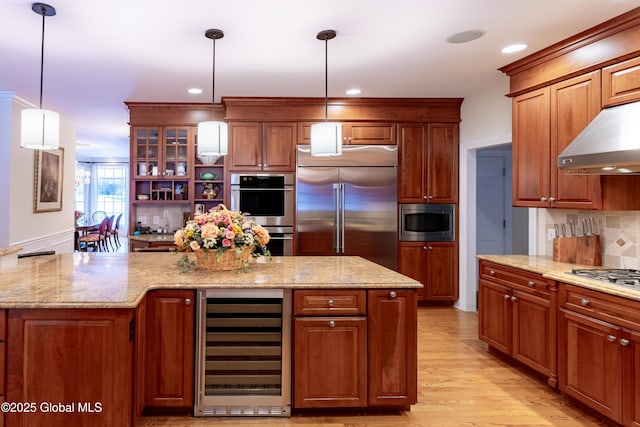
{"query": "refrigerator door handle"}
(342, 205)
(336, 221)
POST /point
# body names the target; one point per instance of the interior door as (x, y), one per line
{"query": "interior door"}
(316, 210)
(370, 213)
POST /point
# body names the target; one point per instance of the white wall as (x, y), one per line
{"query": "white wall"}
(19, 225)
(486, 122)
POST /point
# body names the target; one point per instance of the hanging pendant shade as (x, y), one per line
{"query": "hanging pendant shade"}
(326, 137)
(39, 128)
(212, 134)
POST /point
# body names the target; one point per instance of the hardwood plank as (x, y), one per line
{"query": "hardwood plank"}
(460, 383)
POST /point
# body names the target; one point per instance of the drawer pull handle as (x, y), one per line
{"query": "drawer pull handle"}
(187, 301)
(584, 302)
(624, 342)
(611, 338)
(492, 273)
(332, 324)
(531, 284)
(507, 296)
(514, 299)
(392, 294)
(331, 303)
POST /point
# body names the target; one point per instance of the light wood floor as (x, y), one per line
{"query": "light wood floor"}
(459, 384)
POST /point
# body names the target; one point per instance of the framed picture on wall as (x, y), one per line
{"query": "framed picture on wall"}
(49, 173)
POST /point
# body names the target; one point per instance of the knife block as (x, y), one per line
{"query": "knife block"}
(585, 250)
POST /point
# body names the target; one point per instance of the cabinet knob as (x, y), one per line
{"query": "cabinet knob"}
(429, 197)
(392, 294)
(552, 199)
(424, 197)
(424, 247)
(514, 299)
(543, 199)
(584, 302)
(507, 296)
(624, 342)
(330, 302)
(611, 338)
(492, 272)
(332, 324)
(187, 301)
(430, 248)
(531, 284)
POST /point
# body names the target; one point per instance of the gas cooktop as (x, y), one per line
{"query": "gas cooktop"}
(616, 276)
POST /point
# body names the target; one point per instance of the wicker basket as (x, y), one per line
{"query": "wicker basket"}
(228, 260)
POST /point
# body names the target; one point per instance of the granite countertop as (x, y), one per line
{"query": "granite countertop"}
(120, 280)
(561, 271)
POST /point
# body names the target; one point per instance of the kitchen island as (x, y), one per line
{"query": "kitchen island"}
(85, 336)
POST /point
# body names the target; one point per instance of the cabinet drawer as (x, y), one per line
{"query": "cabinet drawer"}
(329, 302)
(515, 278)
(621, 83)
(600, 305)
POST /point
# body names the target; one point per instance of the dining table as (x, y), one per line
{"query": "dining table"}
(81, 229)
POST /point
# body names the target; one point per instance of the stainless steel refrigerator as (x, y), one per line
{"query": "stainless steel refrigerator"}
(348, 204)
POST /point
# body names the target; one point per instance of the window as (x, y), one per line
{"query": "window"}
(108, 190)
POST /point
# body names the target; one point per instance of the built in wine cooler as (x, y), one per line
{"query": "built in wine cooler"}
(243, 359)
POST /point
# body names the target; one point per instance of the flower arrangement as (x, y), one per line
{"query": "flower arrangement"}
(221, 240)
(77, 215)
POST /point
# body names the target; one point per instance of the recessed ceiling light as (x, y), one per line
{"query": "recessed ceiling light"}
(512, 48)
(353, 91)
(195, 91)
(465, 36)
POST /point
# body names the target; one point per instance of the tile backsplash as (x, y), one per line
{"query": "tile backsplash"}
(618, 231)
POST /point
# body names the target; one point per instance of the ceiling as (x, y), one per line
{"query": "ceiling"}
(98, 55)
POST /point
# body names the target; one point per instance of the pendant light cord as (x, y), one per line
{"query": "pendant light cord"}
(42, 57)
(213, 83)
(326, 80)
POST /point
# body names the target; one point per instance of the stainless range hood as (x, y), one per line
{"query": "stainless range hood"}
(609, 145)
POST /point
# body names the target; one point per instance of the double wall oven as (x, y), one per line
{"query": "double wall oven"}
(268, 200)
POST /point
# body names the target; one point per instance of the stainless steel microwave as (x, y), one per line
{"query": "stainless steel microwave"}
(425, 222)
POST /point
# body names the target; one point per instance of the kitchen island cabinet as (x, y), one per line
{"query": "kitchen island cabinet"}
(116, 329)
(72, 367)
(169, 348)
(361, 354)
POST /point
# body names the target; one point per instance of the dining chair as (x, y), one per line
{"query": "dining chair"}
(115, 229)
(108, 241)
(95, 239)
(98, 216)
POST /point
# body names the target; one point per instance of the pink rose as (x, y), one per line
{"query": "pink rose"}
(194, 246)
(226, 243)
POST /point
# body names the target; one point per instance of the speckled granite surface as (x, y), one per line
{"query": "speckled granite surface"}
(120, 280)
(561, 272)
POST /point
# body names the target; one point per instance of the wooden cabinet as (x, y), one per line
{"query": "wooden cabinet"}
(170, 334)
(71, 356)
(3, 359)
(599, 352)
(392, 347)
(139, 359)
(621, 83)
(435, 265)
(517, 316)
(428, 163)
(208, 185)
(545, 122)
(354, 348)
(162, 152)
(330, 349)
(268, 146)
(356, 133)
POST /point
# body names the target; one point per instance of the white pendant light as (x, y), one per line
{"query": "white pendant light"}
(212, 134)
(326, 137)
(40, 129)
